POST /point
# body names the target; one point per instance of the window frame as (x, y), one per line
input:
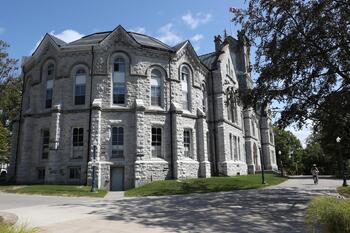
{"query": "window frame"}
(111, 143)
(160, 150)
(79, 147)
(188, 102)
(161, 87)
(41, 174)
(82, 98)
(44, 145)
(70, 168)
(49, 67)
(190, 143)
(119, 84)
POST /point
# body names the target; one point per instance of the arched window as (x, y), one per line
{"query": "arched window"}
(50, 72)
(27, 93)
(232, 114)
(185, 86)
(271, 135)
(156, 90)
(205, 99)
(80, 87)
(119, 88)
(253, 127)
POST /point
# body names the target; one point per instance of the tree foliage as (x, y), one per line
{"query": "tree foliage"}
(4, 144)
(10, 98)
(303, 51)
(8, 66)
(291, 151)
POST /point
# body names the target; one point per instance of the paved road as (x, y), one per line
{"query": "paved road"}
(276, 209)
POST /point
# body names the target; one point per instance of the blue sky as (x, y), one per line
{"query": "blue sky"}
(24, 23)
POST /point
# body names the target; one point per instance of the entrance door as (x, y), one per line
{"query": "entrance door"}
(117, 179)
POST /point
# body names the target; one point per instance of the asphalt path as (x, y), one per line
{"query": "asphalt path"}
(279, 208)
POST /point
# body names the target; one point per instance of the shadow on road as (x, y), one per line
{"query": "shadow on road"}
(253, 211)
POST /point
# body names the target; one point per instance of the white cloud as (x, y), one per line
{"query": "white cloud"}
(2, 30)
(141, 30)
(193, 21)
(197, 37)
(168, 35)
(68, 35)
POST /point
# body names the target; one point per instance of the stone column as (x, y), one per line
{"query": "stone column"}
(248, 131)
(95, 141)
(53, 175)
(177, 139)
(140, 177)
(202, 128)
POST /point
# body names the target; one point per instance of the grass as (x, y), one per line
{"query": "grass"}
(54, 190)
(203, 185)
(6, 228)
(329, 214)
(345, 191)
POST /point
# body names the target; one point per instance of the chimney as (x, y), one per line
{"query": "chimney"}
(217, 42)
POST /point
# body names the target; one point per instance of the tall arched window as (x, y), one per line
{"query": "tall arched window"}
(156, 90)
(27, 93)
(253, 127)
(185, 86)
(205, 99)
(119, 87)
(49, 85)
(80, 87)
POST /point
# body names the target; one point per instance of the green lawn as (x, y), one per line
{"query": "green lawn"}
(54, 190)
(345, 191)
(203, 185)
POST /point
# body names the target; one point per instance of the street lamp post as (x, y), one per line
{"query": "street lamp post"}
(338, 139)
(279, 153)
(93, 183)
(262, 167)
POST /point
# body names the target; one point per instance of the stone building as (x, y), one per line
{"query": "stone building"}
(146, 110)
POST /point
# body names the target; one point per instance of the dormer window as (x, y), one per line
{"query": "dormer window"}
(119, 87)
(80, 87)
(49, 85)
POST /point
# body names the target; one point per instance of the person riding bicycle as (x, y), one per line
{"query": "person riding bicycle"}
(314, 172)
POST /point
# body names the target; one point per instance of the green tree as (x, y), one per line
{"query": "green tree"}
(4, 144)
(10, 98)
(302, 57)
(291, 151)
(314, 154)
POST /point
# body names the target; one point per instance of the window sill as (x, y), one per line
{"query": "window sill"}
(117, 158)
(155, 108)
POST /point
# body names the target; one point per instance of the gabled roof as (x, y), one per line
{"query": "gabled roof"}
(54, 40)
(179, 45)
(209, 59)
(58, 41)
(143, 40)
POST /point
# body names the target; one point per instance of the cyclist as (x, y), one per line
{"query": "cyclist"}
(314, 172)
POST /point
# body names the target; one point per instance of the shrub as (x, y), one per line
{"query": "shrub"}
(7, 228)
(330, 214)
